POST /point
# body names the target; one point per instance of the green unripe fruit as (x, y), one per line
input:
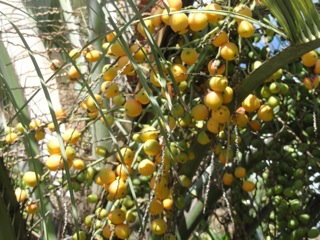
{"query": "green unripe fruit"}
(284, 89)
(304, 218)
(92, 198)
(288, 192)
(313, 233)
(273, 101)
(278, 189)
(298, 184)
(294, 205)
(265, 92)
(274, 87)
(293, 223)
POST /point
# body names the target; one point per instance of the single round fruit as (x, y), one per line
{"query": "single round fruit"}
(82, 236)
(71, 136)
(227, 179)
(156, 20)
(146, 167)
(219, 38)
(227, 95)
(243, 10)
(158, 226)
(265, 113)
(142, 96)
(117, 216)
(311, 82)
(309, 59)
(197, 21)
(199, 112)
(179, 72)
(148, 132)
(152, 147)
(251, 103)
(146, 26)
(126, 155)
(245, 29)
(229, 51)
(105, 176)
(248, 186)
(21, 195)
(222, 114)
(109, 89)
(75, 53)
(218, 83)
(167, 203)
(109, 72)
(121, 171)
(214, 126)
(240, 172)
(178, 22)
(32, 207)
(189, 56)
(117, 49)
(73, 73)
(213, 100)
(213, 17)
(133, 108)
(122, 231)
(30, 178)
(117, 189)
(156, 207)
(93, 55)
(55, 162)
(216, 67)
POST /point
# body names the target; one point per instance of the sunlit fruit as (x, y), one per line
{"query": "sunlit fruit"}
(156, 206)
(179, 72)
(245, 29)
(227, 179)
(122, 170)
(222, 114)
(265, 113)
(55, 162)
(166, 15)
(101, 150)
(199, 112)
(152, 147)
(126, 155)
(122, 231)
(142, 96)
(158, 226)
(117, 216)
(189, 56)
(156, 20)
(81, 234)
(110, 89)
(243, 10)
(178, 22)
(309, 59)
(146, 167)
(75, 53)
(161, 182)
(214, 126)
(32, 207)
(73, 73)
(35, 123)
(213, 100)
(30, 178)
(71, 136)
(105, 176)
(117, 189)
(133, 108)
(109, 72)
(70, 153)
(185, 181)
(146, 25)
(311, 82)
(265, 91)
(251, 103)
(118, 100)
(39, 134)
(227, 95)
(139, 53)
(216, 67)
(11, 137)
(240, 172)
(197, 21)
(176, 4)
(218, 83)
(213, 17)
(248, 186)
(21, 195)
(124, 65)
(219, 37)
(229, 51)
(117, 48)
(93, 55)
(78, 164)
